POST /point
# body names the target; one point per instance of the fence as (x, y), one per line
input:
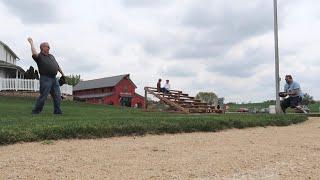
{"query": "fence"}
(28, 85)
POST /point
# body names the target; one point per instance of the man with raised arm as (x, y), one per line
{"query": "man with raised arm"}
(48, 69)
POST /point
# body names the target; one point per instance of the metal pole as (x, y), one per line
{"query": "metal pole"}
(277, 78)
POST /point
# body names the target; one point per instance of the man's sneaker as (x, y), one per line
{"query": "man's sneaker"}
(304, 111)
(301, 109)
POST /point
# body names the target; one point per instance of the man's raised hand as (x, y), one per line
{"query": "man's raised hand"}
(33, 49)
(30, 40)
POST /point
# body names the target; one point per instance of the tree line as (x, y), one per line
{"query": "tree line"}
(32, 73)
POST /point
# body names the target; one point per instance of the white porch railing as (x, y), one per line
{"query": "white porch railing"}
(28, 85)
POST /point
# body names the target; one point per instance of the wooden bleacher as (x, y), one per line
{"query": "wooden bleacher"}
(181, 101)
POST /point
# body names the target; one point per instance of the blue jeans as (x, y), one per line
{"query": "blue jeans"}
(48, 85)
(165, 91)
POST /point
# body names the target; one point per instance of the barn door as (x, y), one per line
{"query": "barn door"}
(126, 101)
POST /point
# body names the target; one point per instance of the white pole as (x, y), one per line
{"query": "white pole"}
(277, 78)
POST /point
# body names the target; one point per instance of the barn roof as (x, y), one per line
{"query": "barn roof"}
(8, 49)
(101, 83)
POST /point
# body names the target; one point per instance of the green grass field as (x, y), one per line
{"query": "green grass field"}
(81, 120)
(314, 108)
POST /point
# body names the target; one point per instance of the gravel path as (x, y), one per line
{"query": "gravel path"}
(291, 152)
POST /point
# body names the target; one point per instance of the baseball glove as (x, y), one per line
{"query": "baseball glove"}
(282, 94)
(62, 80)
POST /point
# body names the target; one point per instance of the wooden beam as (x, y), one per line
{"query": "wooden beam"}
(182, 102)
(167, 101)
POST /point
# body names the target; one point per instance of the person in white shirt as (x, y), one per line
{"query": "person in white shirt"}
(166, 87)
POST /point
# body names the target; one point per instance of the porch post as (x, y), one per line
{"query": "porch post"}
(145, 99)
(16, 81)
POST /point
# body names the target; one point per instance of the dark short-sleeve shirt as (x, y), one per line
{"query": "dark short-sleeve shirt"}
(158, 86)
(47, 64)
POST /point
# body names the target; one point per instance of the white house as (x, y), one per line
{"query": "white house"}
(8, 60)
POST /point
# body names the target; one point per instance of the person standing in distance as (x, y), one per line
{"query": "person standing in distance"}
(48, 69)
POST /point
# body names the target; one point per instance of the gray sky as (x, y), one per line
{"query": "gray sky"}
(225, 46)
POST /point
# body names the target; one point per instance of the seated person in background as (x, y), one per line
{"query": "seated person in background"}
(159, 85)
(291, 89)
(166, 87)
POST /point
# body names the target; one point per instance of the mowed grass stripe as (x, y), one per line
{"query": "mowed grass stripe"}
(81, 120)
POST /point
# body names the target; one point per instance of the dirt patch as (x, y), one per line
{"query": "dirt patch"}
(291, 152)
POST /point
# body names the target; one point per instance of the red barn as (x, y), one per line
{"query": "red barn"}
(116, 90)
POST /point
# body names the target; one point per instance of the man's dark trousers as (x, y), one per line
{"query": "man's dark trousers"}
(290, 102)
(165, 91)
(48, 85)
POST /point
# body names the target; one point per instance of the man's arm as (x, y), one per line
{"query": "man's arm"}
(60, 71)
(295, 89)
(293, 92)
(33, 49)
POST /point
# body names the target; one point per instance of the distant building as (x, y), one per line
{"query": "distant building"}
(116, 90)
(8, 67)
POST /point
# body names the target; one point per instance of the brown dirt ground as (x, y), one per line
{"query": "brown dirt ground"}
(291, 152)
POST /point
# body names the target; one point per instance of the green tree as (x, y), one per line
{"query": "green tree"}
(72, 79)
(208, 97)
(31, 73)
(307, 99)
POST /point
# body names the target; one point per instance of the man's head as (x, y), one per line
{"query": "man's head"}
(167, 81)
(289, 79)
(44, 47)
(159, 80)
